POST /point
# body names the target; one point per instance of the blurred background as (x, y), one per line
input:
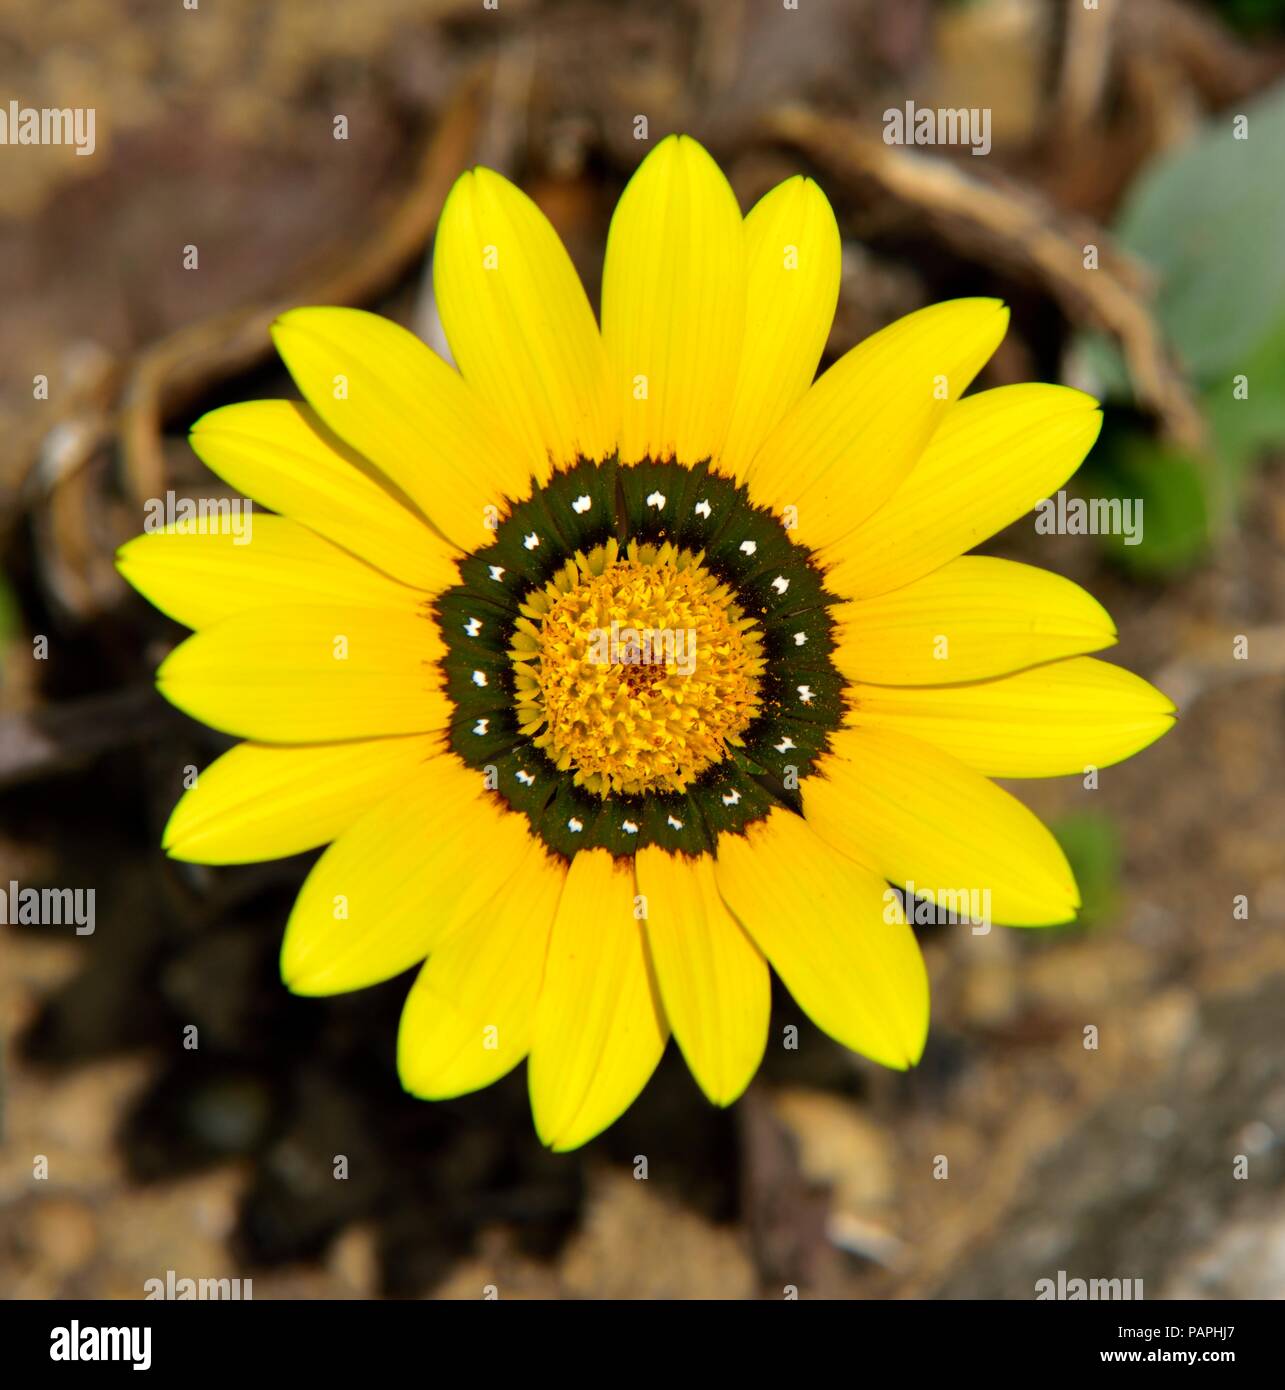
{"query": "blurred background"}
(1111, 127)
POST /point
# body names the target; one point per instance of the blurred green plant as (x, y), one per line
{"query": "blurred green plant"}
(1091, 843)
(1174, 489)
(10, 616)
(1252, 15)
(10, 626)
(1208, 220)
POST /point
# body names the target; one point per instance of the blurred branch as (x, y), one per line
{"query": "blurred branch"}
(39, 743)
(1019, 228)
(1218, 63)
(1210, 664)
(177, 369)
(1088, 46)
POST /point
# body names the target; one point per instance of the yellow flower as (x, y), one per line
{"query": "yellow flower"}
(618, 664)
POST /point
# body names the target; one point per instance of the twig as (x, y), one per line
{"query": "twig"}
(1023, 230)
(41, 742)
(175, 370)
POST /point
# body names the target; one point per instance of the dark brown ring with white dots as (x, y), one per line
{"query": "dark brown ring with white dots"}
(774, 580)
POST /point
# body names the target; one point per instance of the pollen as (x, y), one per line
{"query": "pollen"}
(636, 670)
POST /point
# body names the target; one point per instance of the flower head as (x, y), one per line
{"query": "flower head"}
(616, 666)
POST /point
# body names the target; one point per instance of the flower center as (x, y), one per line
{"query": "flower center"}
(635, 671)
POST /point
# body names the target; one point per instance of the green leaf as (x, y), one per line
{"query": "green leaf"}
(1209, 220)
(1252, 15)
(1177, 492)
(1091, 843)
(10, 624)
(1243, 426)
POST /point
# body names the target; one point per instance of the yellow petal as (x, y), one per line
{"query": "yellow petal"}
(673, 304)
(917, 816)
(834, 933)
(995, 456)
(310, 674)
(394, 400)
(853, 439)
(200, 579)
(468, 1019)
(264, 801)
(713, 980)
(400, 879)
(792, 286)
(973, 619)
(1046, 722)
(518, 322)
(599, 1027)
(279, 453)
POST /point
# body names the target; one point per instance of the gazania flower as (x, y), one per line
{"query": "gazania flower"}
(621, 664)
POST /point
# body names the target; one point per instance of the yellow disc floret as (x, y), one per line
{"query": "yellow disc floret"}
(636, 671)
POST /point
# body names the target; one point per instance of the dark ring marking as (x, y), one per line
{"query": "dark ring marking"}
(774, 580)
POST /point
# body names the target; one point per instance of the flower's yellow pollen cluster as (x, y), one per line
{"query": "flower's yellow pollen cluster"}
(636, 671)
